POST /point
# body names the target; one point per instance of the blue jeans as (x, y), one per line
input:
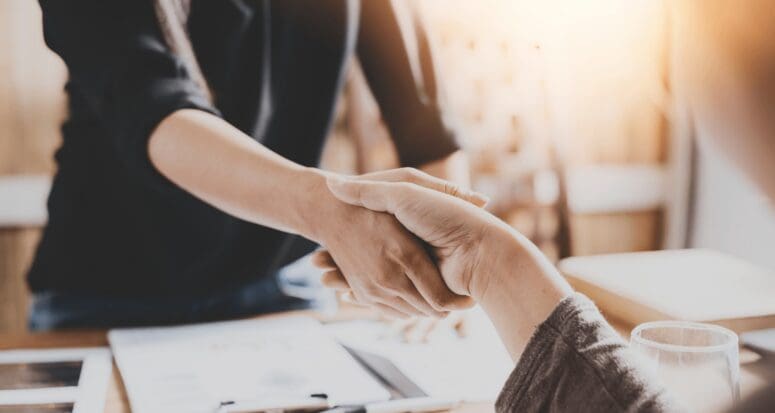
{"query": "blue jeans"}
(289, 289)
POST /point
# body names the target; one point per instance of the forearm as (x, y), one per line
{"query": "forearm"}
(219, 164)
(521, 290)
(575, 361)
(557, 337)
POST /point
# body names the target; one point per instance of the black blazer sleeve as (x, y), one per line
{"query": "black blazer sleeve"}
(122, 71)
(408, 99)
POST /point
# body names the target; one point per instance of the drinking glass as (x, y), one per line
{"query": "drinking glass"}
(698, 363)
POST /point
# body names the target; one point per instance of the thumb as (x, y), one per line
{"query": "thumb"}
(373, 195)
(424, 180)
(424, 212)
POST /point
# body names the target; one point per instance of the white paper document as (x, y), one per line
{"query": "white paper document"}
(194, 368)
(73, 380)
(470, 369)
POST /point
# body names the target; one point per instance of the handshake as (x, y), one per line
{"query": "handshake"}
(411, 244)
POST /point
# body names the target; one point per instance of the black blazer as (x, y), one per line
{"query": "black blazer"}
(116, 226)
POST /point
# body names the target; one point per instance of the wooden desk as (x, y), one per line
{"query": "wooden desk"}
(755, 372)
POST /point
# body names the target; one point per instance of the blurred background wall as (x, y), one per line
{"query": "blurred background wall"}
(731, 44)
(562, 107)
(566, 109)
(31, 109)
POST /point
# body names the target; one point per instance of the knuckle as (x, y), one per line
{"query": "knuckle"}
(408, 174)
(384, 280)
(413, 259)
(415, 175)
(393, 251)
(400, 286)
(395, 284)
(403, 257)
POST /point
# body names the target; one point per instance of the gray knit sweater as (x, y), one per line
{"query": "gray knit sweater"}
(576, 362)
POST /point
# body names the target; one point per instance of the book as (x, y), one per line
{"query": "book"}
(694, 285)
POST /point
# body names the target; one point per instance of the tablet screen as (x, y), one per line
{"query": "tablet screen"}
(19, 376)
(39, 408)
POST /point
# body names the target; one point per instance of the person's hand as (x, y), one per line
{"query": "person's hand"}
(383, 264)
(478, 255)
(411, 330)
(454, 228)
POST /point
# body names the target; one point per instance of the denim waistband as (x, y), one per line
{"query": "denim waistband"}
(55, 310)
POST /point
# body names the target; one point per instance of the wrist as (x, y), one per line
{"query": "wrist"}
(497, 251)
(520, 289)
(318, 207)
(518, 274)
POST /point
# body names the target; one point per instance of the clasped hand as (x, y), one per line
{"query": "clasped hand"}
(423, 251)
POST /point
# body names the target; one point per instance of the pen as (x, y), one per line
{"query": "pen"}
(410, 405)
(313, 403)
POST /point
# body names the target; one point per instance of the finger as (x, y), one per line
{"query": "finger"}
(412, 296)
(462, 326)
(349, 297)
(418, 331)
(322, 259)
(422, 211)
(397, 292)
(384, 309)
(440, 328)
(334, 279)
(374, 195)
(402, 305)
(418, 177)
(406, 201)
(398, 328)
(455, 324)
(390, 312)
(426, 278)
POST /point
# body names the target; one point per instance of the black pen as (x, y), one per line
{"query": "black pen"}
(412, 405)
(314, 403)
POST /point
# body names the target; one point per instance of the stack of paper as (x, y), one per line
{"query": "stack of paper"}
(194, 368)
